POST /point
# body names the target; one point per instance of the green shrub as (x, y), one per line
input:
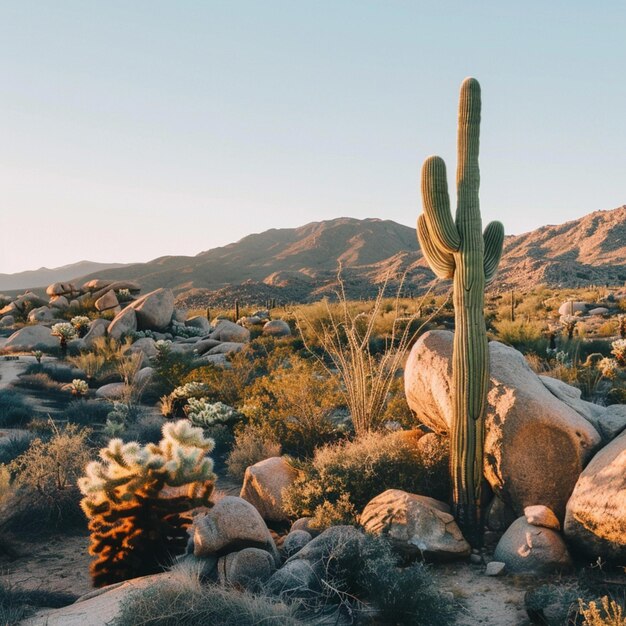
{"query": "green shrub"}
(13, 446)
(45, 494)
(249, 448)
(293, 404)
(58, 372)
(86, 412)
(522, 335)
(170, 368)
(15, 411)
(362, 469)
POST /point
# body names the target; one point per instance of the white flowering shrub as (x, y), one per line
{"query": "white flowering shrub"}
(619, 351)
(202, 412)
(64, 330)
(79, 387)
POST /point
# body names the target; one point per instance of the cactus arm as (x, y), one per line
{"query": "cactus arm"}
(436, 201)
(442, 263)
(494, 239)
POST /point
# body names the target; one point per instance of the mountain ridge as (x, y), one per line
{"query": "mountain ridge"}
(300, 264)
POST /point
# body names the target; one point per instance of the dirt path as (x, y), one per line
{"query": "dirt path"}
(11, 368)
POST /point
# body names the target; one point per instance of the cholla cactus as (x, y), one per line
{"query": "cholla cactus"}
(135, 498)
(608, 368)
(203, 413)
(81, 324)
(124, 295)
(191, 390)
(621, 326)
(79, 387)
(64, 330)
(619, 351)
(179, 329)
(38, 354)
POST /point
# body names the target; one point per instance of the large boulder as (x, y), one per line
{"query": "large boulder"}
(232, 524)
(107, 302)
(263, 484)
(572, 307)
(97, 328)
(31, 338)
(277, 328)
(200, 322)
(528, 549)
(68, 290)
(111, 391)
(226, 330)
(535, 445)
(595, 520)
(416, 525)
(59, 302)
(124, 322)
(154, 310)
(145, 345)
(609, 421)
(41, 314)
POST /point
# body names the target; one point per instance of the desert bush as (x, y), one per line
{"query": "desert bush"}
(365, 374)
(45, 494)
(15, 411)
(93, 364)
(16, 603)
(360, 470)
(293, 404)
(170, 368)
(604, 612)
(58, 372)
(136, 527)
(13, 446)
(184, 601)
(146, 429)
(522, 335)
(40, 382)
(86, 412)
(365, 581)
(249, 448)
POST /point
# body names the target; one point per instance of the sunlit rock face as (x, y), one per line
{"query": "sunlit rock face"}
(595, 521)
(536, 446)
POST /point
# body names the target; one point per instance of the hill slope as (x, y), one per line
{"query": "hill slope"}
(300, 264)
(45, 276)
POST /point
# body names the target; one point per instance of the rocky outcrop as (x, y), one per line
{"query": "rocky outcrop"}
(31, 338)
(416, 525)
(595, 520)
(535, 445)
(263, 485)
(229, 331)
(123, 323)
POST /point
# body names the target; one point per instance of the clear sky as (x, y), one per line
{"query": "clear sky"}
(135, 129)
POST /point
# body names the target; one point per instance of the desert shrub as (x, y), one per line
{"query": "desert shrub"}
(186, 602)
(146, 429)
(45, 493)
(40, 382)
(93, 364)
(15, 411)
(13, 446)
(58, 372)
(604, 612)
(522, 335)
(366, 373)
(361, 469)
(249, 448)
(86, 412)
(16, 603)
(370, 571)
(552, 604)
(397, 410)
(293, 404)
(135, 526)
(170, 368)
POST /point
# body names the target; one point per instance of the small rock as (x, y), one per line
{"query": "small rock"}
(277, 328)
(246, 569)
(112, 391)
(495, 568)
(539, 515)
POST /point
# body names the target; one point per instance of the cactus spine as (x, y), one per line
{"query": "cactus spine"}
(458, 249)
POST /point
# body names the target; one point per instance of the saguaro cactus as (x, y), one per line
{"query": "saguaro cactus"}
(458, 249)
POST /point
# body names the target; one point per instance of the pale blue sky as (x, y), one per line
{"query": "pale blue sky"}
(133, 129)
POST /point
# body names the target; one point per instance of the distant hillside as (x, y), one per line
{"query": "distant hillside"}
(300, 264)
(45, 276)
